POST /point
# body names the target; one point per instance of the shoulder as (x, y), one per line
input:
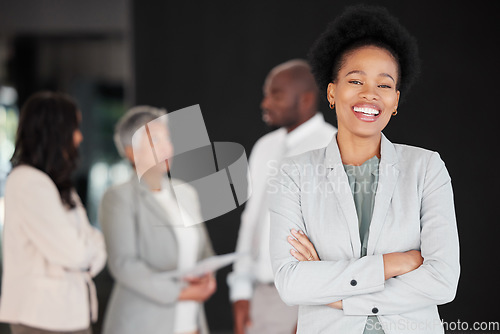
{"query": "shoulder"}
(119, 192)
(269, 139)
(327, 127)
(25, 175)
(187, 189)
(416, 155)
(316, 155)
(320, 126)
(304, 162)
(322, 134)
(423, 163)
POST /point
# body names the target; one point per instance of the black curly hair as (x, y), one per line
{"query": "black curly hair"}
(359, 26)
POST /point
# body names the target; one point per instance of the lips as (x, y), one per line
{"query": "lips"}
(265, 117)
(366, 113)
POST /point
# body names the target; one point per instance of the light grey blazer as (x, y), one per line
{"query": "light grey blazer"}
(413, 210)
(142, 258)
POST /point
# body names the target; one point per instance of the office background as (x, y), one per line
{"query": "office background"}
(114, 54)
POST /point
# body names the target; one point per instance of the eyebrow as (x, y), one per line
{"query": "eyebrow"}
(363, 73)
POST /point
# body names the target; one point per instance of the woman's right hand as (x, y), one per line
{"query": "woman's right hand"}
(199, 288)
(396, 264)
(303, 248)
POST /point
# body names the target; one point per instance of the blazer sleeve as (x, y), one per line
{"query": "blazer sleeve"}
(435, 281)
(207, 250)
(116, 215)
(98, 262)
(315, 282)
(241, 279)
(45, 222)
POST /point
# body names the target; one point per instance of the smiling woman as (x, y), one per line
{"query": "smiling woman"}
(374, 247)
(365, 90)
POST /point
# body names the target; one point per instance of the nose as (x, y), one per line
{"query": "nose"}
(369, 92)
(79, 137)
(264, 103)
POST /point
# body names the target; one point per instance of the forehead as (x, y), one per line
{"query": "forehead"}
(370, 59)
(278, 81)
(158, 128)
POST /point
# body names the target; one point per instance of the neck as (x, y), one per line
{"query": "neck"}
(301, 121)
(154, 176)
(152, 180)
(356, 150)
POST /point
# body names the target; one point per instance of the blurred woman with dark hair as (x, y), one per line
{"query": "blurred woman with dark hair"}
(50, 251)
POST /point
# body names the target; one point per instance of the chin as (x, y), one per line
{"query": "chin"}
(364, 132)
(273, 125)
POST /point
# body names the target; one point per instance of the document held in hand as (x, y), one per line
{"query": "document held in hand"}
(210, 265)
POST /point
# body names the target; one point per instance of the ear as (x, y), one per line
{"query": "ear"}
(397, 100)
(307, 100)
(129, 153)
(330, 92)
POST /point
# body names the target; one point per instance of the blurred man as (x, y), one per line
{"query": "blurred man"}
(290, 103)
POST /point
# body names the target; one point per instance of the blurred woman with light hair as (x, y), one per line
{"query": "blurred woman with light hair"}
(148, 241)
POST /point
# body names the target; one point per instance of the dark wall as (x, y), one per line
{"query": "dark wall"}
(217, 54)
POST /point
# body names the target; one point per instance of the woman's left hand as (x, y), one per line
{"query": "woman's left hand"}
(304, 249)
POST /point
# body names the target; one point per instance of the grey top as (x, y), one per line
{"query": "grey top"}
(363, 181)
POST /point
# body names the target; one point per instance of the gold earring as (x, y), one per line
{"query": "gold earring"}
(395, 112)
(332, 105)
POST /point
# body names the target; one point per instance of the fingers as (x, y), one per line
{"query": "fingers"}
(199, 279)
(304, 240)
(303, 246)
(336, 305)
(192, 280)
(297, 255)
(212, 283)
(195, 280)
(300, 249)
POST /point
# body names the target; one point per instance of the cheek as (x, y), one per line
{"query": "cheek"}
(280, 107)
(164, 150)
(345, 96)
(391, 103)
(343, 101)
(77, 138)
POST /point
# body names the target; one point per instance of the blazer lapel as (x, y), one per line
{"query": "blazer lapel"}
(388, 177)
(339, 182)
(150, 203)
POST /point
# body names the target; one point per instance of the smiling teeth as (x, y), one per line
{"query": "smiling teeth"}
(368, 111)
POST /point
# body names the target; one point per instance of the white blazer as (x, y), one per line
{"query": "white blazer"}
(50, 254)
(413, 210)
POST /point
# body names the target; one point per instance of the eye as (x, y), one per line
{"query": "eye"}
(278, 96)
(355, 82)
(385, 86)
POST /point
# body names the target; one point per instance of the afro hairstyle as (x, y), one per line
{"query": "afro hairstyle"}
(359, 26)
